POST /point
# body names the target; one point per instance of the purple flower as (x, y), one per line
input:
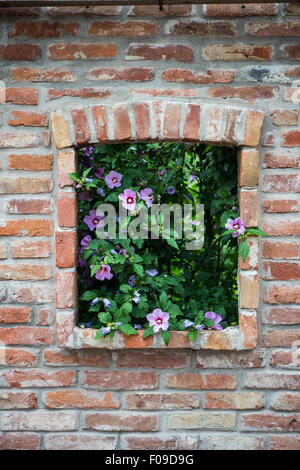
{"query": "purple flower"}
(105, 330)
(199, 327)
(216, 319)
(81, 262)
(170, 189)
(136, 297)
(99, 173)
(104, 272)
(88, 180)
(158, 319)
(191, 178)
(147, 196)
(85, 196)
(118, 323)
(93, 220)
(88, 151)
(161, 173)
(128, 199)
(237, 224)
(132, 280)
(86, 241)
(137, 326)
(234, 209)
(113, 179)
(187, 323)
(152, 272)
(123, 252)
(78, 186)
(106, 302)
(96, 301)
(100, 192)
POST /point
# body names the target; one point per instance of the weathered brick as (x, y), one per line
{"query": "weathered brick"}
(172, 121)
(279, 205)
(22, 185)
(142, 120)
(14, 52)
(17, 400)
(83, 10)
(249, 93)
(281, 183)
(280, 338)
(249, 207)
(122, 124)
(60, 129)
(161, 401)
(272, 381)
(283, 271)
(285, 359)
(66, 209)
(213, 124)
(233, 441)
(253, 128)
(131, 74)
(30, 206)
(21, 95)
(30, 162)
(82, 357)
(284, 117)
(188, 76)
(234, 401)
(283, 294)
(273, 28)
(230, 360)
(3, 251)
(198, 381)
(292, 51)
(202, 420)
(281, 316)
(19, 139)
(65, 243)
(271, 421)
(237, 52)
(248, 167)
(81, 126)
(280, 250)
(20, 11)
(280, 159)
(249, 290)
(28, 293)
(25, 272)
(84, 93)
(26, 335)
(159, 52)
(45, 317)
(15, 314)
(21, 440)
(19, 357)
(77, 441)
(117, 28)
(81, 51)
(29, 227)
(39, 420)
(38, 378)
(30, 74)
(100, 122)
(291, 138)
(192, 122)
(286, 402)
(66, 163)
(203, 28)
(65, 289)
(124, 421)
(153, 359)
(159, 441)
(82, 399)
(240, 10)
(28, 118)
(120, 380)
(285, 442)
(43, 29)
(38, 249)
(164, 92)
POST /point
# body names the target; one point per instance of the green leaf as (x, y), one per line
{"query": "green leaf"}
(95, 269)
(125, 308)
(125, 288)
(98, 335)
(111, 335)
(105, 317)
(148, 332)
(172, 243)
(166, 336)
(163, 300)
(88, 295)
(86, 254)
(138, 269)
(192, 335)
(256, 231)
(244, 250)
(128, 330)
(227, 232)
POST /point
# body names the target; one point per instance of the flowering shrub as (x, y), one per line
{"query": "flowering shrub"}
(127, 284)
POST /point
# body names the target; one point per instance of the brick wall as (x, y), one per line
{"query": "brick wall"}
(108, 74)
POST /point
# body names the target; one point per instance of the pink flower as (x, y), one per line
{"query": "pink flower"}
(103, 272)
(113, 179)
(237, 224)
(147, 196)
(128, 199)
(158, 319)
(93, 220)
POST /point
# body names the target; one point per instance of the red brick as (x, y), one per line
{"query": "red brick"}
(158, 115)
(284, 117)
(28, 293)
(27, 118)
(61, 129)
(47, 138)
(281, 316)
(285, 359)
(172, 121)
(29, 227)
(249, 93)
(153, 359)
(117, 28)
(268, 140)
(120, 380)
(283, 294)
(20, 52)
(82, 51)
(65, 289)
(285, 442)
(281, 183)
(66, 209)
(30, 74)
(248, 167)
(252, 261)
(192, 122)
(38, 249)
(154, 10)
(291, 138)
(17, 400)
(83, 10)
(233, 441)
(213, 124)
(188, 76)
(232, 126)
(237, 52)
(280, 205)
(43, 29)
(286, 402)
(253, 128)
(83, 399)
(280, 250)
(159, 442)
(30, 206)
(204, 28)
(272, 28)
(286, 227)
(231, 360)
(198, 381)
(65, 249)
(292, 8)
(15, 314)
(142, 120)
(21, 440)
(122, 124)
(45, 317)
(240, 10)
(30, 162)
(20, 357)
(100, 122)
(164, 92)
(124, 421)
(25, 272)
(234, 401)
(26, 185)
(131, 74)
(82, 357)
(292, 51)
(280, 338)
(39, 378)
(280, 159)
(19, 139)
(66, 163)
(270, 421)
(78, 441)
(249, 207)
(64, 323)
(26, 335)
(81, 126)
(159, 52)
(272, 381)
(84, 93)
(39, 420)
(283, 271)
(161, 401)
(19, 11)
(22, 95)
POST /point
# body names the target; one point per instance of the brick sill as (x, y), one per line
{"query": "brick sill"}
(232, 338)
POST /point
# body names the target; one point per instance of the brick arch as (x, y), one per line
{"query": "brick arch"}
(150, 121)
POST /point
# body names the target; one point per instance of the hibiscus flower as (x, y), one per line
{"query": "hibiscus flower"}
(158, 319)
(113, 179)
(128, 199)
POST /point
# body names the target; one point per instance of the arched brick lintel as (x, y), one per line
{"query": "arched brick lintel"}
(150, 121)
